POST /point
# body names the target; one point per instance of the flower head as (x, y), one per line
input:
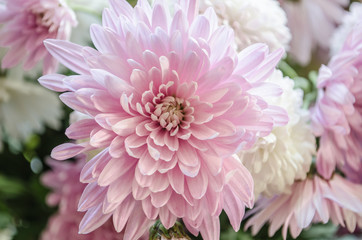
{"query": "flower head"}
(306, 34)
(63, 180)
(337, 116)
(285, 155)
(350, 20)
(25, 108)
(170, 101)
(26, 24)
(253, 21)
(312, 200)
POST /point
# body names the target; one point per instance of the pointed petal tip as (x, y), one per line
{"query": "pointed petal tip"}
(53, 82)
(66, 151)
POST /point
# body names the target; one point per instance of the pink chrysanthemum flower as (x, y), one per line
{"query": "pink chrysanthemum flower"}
(67, 190)
(337, 116)
(311, 201)
(26, 24)
(349, 21)
(169, 102)
(312, 23)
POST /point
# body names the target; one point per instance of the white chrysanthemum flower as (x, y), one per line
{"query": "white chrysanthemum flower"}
(350, 20)
(25, 107)
(253, 21)
(285, 155)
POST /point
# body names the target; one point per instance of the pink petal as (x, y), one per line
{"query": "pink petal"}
(137, 224)
(176, 205)
(127, 126)
(147, 164)
(93, 219)
(116, 149)
(101, 138)
(200, 28)
(167, 218)
(122, 213)
(92, 196)
(149, 210)
(120, 189)
(250, 58)
(138, 192)
(159, 182)
(197, 185)
(159, 18)
(203, 132)
(160, 199)
(66, 151)
(114, 169)
(53, 82)
(69, 54)
(210, 228)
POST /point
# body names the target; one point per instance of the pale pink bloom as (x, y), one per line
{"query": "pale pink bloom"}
(312, 23)
(64, 182)
(66, 188)
(349, 22)
(337, 116)
(26, 24)
(169, 102)
(310, 201)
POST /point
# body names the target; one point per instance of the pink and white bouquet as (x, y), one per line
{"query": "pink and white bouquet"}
(184, 109)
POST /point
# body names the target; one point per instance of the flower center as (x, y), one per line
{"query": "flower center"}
(46, 20)
(169, 112)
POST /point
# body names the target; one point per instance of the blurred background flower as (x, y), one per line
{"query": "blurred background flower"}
(312, 23)
(261, 21)
(26, 24)
(63, 180)
(25, 108)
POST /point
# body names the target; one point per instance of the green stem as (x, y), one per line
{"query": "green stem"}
(157, 231)
(287, 70)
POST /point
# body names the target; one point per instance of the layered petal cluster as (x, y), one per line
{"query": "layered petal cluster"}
(262, 21)
(169, 101)
(311, 201)
(285, 155)
(349, 22)
(26, 24)
(66, 188)
(337, 116)
(312, 23)
(25, 108)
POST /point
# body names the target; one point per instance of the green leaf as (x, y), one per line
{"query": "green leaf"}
(10, 188)
(287, 70)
